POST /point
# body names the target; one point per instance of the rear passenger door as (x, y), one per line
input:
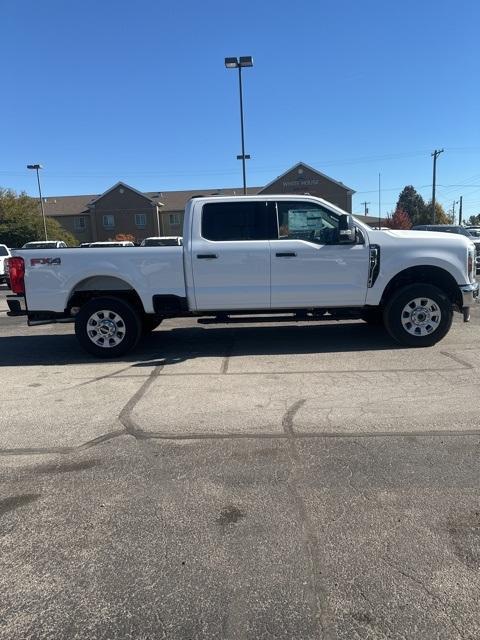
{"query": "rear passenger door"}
(231, 255)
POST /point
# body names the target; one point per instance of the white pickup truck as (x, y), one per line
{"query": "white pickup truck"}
(247, 256)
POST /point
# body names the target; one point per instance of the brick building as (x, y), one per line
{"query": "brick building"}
(123, 209)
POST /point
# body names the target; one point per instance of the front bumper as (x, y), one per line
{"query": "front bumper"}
(469, 294)
(17, 306)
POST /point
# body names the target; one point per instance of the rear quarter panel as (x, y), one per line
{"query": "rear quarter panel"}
(147, 270)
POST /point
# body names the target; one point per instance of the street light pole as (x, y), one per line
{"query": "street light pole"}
(242, 129)
(37, 167)
(238, 63)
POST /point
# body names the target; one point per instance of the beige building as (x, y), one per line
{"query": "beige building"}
(124, 210)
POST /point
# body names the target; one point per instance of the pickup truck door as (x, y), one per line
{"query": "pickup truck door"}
(309, 268)
(231, 255)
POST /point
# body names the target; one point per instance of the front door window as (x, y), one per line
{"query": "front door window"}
(306, 221)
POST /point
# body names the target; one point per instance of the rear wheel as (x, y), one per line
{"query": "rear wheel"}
(418, 315)
(107, 327)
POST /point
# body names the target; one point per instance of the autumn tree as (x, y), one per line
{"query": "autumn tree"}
(21, 222)
(399, 220)
(124, 237)
(440, 216)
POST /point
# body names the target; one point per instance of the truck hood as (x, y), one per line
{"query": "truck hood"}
(427, 237)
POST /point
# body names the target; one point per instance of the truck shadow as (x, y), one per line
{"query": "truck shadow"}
(186, 343)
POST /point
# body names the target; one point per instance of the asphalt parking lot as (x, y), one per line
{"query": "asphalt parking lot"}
(239, 481)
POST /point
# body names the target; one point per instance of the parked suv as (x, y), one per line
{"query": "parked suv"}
(4, 253)
(471, 234)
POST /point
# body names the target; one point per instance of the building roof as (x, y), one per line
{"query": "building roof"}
(122, 184)
(67, 205)
(171, 200)
(307, 166)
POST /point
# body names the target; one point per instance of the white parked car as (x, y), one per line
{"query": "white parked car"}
(45, 244)
(113, 243)
(4, 254)
(162, 241)
(250, 255)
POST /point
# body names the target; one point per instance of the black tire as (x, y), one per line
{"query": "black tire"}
(433, 316)
(373, 316)
(128, 328)
(150, 323)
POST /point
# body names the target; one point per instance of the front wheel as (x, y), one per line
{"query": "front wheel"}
(107, 327)
(418, 315)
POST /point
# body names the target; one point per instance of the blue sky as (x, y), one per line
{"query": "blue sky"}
(100, 91)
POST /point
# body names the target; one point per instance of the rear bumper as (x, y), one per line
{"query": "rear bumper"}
(17, 306)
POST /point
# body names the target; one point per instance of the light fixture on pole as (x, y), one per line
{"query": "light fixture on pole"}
(239, 63)
(36, 167)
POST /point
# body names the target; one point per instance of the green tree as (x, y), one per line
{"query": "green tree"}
(474, 220)
(412, 203)
(20, 221)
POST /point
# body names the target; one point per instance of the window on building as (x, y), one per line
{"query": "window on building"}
(79, 223)
(140, 220)
(239, 221)
(175, 218)
(109, 221)
(307, 221)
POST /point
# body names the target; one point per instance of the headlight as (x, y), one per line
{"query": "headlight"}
(471, 264)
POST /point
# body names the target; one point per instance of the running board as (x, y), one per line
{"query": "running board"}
(297, 317)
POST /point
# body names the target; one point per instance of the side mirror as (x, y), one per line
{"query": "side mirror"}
(346, 230)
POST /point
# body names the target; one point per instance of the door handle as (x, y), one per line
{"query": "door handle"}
(287, 254)
(207, 256)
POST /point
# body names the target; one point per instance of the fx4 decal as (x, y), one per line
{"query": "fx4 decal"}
(50, 261)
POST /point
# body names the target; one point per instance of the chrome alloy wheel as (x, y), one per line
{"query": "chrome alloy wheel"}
(106, 328)
(421, 316)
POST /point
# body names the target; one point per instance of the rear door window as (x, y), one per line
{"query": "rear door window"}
(224, 221)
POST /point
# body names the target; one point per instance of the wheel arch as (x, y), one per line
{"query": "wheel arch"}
(427, 274)
(103, 285)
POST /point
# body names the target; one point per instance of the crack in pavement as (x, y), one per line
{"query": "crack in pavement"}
(228, 354)
(140, 434)
(457, 359)
(318, 590)
(437, 600)
(25, 451)
(125, 415)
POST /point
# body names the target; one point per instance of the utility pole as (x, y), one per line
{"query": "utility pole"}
(460, 211)
(366, 207)
(379, 201)
(453, 210)
(435, 155)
